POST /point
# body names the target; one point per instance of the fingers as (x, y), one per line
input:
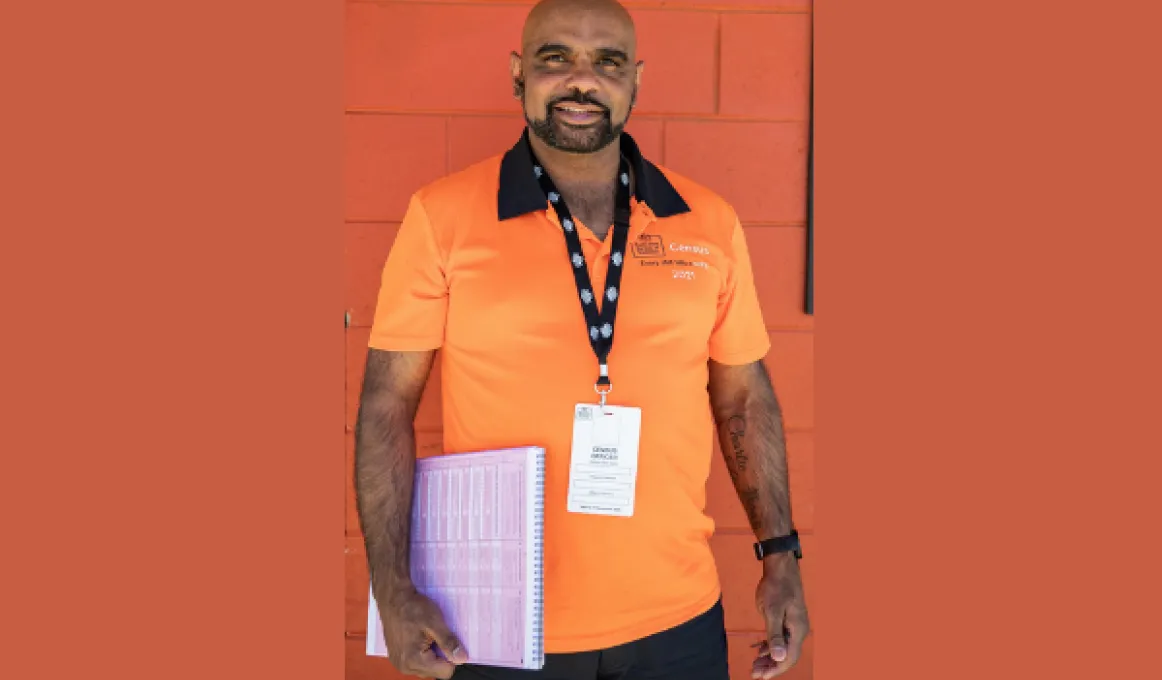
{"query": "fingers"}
(449, 644)
(797, 628)
(773, 650)
(777, 644)
(436, 650)
(781, 652)
(430, 665)
(764, 666)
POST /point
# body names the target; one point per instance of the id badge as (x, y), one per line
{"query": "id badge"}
(603, 467)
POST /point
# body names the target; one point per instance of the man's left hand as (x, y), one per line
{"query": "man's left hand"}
(780, 601)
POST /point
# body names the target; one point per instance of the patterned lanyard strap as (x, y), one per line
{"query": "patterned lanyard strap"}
(600, 323)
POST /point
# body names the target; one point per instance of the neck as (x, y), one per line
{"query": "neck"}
(578, 168)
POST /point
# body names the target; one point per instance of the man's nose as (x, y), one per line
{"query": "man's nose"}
(583, 76)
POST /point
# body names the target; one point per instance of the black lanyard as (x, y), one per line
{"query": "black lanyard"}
(600, 325)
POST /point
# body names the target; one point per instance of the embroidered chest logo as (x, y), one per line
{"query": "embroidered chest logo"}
(653, 251)
(649, 245)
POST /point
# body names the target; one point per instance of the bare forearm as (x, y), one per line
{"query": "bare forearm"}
(750, 430)
(384, 474)
(385, 454)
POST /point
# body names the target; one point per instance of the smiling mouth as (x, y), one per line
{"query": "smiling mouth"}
(578, 114)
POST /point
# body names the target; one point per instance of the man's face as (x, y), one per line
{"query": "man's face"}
(577, 80)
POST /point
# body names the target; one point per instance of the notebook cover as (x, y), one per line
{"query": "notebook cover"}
(476, 542)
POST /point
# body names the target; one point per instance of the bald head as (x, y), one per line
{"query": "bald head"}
(577, 73)
(547, 16)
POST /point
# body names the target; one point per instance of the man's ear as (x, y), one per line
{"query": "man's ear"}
(637, 76)
(517, 73)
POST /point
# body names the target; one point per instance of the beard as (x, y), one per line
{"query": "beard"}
(557, 134)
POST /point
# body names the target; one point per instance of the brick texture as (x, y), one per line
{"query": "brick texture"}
(365, 247)
(431, 56)
(765, 67)
(649, 133)
(359, 666)
(387, 159)
(473, 138)
(355, 589)
(791, 363)
(760, 168)
(351, 514)
(779, 256)
(723, 102)
(679, 50)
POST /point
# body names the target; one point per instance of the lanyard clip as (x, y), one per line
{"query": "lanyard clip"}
(603, 390)
(603, 386)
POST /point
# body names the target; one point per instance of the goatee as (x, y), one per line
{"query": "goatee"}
(564, 137)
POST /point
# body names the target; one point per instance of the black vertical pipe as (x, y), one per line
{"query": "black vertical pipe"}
(810, 288)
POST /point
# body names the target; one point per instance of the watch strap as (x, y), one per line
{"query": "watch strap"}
(781, 544)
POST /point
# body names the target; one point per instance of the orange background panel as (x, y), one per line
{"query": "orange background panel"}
(679, 49)
(474, 138)
(359, 666)
(780, 272)
(365, 249)
(431, 56)
(791, 363)
(650, 134)
(766, 65)
(387, 159)
(759, 167)
(356, 587)
(723, 102)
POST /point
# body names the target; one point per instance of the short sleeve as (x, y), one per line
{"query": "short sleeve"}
(740, 334)
(412, 306)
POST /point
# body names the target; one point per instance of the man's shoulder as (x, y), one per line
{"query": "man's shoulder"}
(710, 214)
(457, 189)
(704, 202)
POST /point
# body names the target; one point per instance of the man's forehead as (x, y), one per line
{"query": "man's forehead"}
(579, 23)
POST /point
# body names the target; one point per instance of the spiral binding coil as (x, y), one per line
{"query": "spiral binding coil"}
(538, 622)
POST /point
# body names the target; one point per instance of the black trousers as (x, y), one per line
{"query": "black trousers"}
(695, 650)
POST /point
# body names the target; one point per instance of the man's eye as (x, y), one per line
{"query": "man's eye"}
(555, 58)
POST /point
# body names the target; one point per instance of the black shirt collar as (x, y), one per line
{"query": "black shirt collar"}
(520, 192)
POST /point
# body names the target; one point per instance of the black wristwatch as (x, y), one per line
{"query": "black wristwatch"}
(771, 546)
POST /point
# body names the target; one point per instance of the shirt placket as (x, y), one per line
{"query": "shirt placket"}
(597, 251)
(640, 219)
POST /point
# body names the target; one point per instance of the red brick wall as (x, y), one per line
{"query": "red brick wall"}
(723, 101)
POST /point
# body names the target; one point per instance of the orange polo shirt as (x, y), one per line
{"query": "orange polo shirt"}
(480, 270)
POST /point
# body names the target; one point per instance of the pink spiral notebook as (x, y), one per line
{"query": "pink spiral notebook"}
(477, 534)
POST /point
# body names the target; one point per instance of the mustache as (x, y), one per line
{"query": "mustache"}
(578, 97)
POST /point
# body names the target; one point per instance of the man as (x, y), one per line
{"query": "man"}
(515, 269)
